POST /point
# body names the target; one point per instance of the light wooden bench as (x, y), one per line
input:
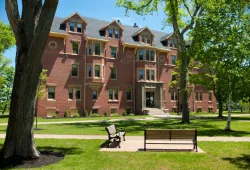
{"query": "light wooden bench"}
(114, 134)
(163, 136)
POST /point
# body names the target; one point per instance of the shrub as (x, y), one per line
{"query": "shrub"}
(75, 115)
(115, 114)
(86, 114)
(95, 115)
(66, 114)
(106, 113)
(131, 114)
(124, 113)
(54, 115)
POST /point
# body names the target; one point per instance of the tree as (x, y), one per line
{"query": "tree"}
(6, 87)
(31, 31)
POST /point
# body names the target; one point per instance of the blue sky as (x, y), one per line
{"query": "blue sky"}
(96, 9)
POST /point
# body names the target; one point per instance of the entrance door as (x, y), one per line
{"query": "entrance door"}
(150, 97)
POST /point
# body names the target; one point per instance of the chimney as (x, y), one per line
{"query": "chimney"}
(135, 25)
(118, 21)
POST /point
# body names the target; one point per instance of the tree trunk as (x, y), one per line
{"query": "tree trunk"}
(220, 108)
(228, 127)
(19, 136)
(5, 106)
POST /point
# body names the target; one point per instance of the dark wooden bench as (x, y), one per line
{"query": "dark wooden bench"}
(114, 134)
(163, 136)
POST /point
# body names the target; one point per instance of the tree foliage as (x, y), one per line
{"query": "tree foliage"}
(41, 88)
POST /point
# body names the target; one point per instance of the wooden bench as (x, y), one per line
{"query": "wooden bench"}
(163, 136)
(114, 134)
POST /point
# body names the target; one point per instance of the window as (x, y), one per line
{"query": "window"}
(79, 27)
(129, 94)
(128, 111)
(141, 74)
(140, 54)
(152, 75)
(95, 111)
(173, 96)
(94, 95)
(147, 74)
(71, 93)
(97, 49)
(142, 38)
(173, 60)
(78, 93)
(210, 96)
(148, 39)
(113, 52)
(147, 54)
(170, 43)
(175, 45)
(90, 51)
(97, 71)
(62, 27)
(71, 26)
(116, 34)
(173, 77)
(152, 56)
(51, 93)
(198, 96)
(89, 71)
(110, 30)
(74, 72)
(75, 47)
(113, 73)
(113, 94)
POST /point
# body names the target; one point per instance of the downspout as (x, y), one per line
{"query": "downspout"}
(134, 97)
(85, 75)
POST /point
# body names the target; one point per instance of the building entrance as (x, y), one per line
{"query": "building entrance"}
(150, 97)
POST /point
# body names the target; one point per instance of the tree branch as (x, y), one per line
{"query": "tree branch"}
(11, 7)
(185, 5)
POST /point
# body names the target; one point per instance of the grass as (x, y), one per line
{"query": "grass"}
(84, 154)
(206, 127)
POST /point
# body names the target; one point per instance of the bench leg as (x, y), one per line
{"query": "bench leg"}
(124, 137)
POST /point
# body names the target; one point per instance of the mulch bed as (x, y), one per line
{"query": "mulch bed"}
(46, 158)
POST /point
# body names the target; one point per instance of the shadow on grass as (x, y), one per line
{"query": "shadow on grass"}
(107, 144)
(242, 162)
(62, 150)
(204, 127)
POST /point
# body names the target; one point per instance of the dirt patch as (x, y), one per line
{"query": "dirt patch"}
(46, 158)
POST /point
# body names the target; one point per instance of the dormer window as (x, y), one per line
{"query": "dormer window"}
(79, 27)
(71, 26)
(143, 38)
(148, 39)
(170, 43)
(62, 27)
(116, 34)
(110, 30)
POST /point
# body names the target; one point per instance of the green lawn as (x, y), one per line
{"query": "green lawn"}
(84, 154)
(206, 127)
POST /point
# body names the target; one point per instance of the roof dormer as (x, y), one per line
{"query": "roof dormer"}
(74, 23)
(169, 40)
(144, 35)
(112, 30)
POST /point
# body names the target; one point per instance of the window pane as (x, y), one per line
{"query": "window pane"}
(200, 96)
(115, 94)
(197, 96)
(170, 43)
(173, 59)
(90, 48)
(110, 94)
(152, 56)
(148, 39)
(94, 94)
(113, 73)
(89, 71)
(116, 34)
(78, 93)
(79, 27)
(75, 47)
(110, 30)
(141, 74)
(147, 54)
(140, 54)
(71, 26)
(97, 49)
(175, 45)
(71, 93)
(97, 71)
(210, 96)
(129, 94)
(148, 74)
(51, 92)
(143, 38)
(152, 75)
(74, 70)
(172, 96)
(113, 52)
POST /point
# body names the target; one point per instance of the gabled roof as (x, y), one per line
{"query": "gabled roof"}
(93, 30)
(77, 15)
(166, 37)
(114, 21)
(142, 29)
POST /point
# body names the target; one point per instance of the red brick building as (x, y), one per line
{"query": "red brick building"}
(102, 66)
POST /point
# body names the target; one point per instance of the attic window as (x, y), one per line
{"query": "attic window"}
(62, 27)
(71, 26)
(116, 34)
(110, 30)
(79, 27)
